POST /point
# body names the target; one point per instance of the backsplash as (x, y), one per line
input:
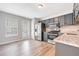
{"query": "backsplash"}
(66, 29)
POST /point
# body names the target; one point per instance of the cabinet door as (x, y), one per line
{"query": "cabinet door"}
(56, 20)
(61, 20)
(50, 21)
(68, 19)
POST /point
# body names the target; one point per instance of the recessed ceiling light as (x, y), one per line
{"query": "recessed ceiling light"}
(40, 5)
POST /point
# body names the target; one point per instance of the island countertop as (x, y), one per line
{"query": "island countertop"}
(70, 37)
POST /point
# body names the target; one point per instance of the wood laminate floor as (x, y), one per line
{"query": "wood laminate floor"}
(27, 48)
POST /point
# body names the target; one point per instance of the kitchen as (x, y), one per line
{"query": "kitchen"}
(52, 27)
(30, 30)
(63, 31)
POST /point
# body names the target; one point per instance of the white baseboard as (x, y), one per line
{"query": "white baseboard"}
(3, 43)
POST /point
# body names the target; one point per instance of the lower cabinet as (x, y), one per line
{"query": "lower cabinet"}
(66, 50)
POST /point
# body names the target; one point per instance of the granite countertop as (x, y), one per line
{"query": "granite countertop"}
(70, 37)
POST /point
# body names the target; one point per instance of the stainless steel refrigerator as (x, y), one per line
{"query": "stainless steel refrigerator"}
(39, 30)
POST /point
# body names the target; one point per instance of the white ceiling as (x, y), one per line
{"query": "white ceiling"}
(31, 10)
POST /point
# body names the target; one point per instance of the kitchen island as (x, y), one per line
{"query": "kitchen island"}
(67, 44)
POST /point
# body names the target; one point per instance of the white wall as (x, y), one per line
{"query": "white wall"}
(32, 28)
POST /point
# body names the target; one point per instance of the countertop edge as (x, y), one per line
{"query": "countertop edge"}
(62, 42)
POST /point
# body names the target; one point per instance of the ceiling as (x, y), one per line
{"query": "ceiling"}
(31, 10)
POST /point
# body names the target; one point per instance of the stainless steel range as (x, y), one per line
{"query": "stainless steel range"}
(54, 30)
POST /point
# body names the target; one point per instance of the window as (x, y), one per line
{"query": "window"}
(11, 26)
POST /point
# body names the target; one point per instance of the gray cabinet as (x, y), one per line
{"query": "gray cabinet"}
(61, 20)
(46, 36)
(68, 19)
(55, 20)
(66, 50)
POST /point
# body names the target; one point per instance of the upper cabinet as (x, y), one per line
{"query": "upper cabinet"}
(56, 20)
(63, 20)
(68, 19)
